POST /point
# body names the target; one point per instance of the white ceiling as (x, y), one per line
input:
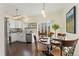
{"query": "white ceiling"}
(31, 9)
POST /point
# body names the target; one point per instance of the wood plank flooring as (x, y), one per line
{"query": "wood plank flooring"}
(23, 49)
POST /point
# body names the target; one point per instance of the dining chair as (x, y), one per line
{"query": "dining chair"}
(42, 41)
(61, 36)
(67, 48)
(9, 40)
(45, 46)
(56, 43)
(39, 48)
(35, 46)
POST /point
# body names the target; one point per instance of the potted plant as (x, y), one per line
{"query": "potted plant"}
(55, 27)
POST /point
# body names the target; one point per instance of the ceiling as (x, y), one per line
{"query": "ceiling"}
(31, 9)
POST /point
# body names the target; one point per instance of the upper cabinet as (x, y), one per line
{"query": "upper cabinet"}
(15, 24)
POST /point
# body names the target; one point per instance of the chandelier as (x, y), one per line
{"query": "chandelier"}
(18, 16)
(43, 11)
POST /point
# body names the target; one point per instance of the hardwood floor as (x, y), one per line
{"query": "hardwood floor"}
(23, 49)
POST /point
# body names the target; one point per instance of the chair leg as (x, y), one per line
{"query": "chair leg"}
(61, 50)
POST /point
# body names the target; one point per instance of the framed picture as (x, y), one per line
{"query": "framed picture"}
(71, 21)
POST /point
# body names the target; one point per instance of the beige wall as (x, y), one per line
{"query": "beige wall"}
(2, 36)
(55, 18)
(70, 35)
(2, 46)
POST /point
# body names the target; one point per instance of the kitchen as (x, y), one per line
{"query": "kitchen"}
(21, 31)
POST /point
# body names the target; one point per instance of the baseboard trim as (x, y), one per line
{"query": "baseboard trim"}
(20, 42)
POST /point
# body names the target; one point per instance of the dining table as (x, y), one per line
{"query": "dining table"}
(48, 43)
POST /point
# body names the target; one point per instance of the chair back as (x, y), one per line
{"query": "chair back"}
(61, 36)
(35, 40)
(69, 43)
(36, 45)
(70, 47)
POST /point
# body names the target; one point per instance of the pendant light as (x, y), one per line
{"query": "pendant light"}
(43, 11)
